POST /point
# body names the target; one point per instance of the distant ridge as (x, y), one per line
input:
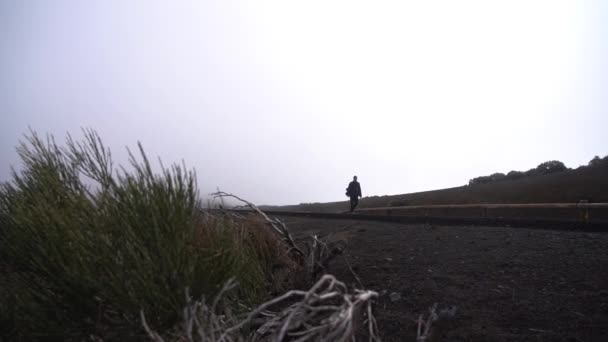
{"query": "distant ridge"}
(568, 186)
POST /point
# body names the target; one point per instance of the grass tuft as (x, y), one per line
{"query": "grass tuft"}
(86, 246)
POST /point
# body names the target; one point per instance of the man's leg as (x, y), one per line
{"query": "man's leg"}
(353, 203)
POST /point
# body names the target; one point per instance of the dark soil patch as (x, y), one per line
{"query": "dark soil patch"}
(508, 284)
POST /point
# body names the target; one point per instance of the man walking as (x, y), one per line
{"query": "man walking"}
(354, 192)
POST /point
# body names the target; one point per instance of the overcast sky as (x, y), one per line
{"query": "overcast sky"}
(284, 101)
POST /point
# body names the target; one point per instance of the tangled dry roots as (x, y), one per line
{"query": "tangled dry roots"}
(326, 312)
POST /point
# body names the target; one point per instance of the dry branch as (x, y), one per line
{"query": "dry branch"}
(276, 224)
(424, 326)
(326, 312)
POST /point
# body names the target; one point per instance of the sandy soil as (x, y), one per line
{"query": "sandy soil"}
(507, 284)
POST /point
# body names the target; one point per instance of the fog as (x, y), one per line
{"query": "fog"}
(283, 102)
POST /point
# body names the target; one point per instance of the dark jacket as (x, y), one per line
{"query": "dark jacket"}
(354, 189)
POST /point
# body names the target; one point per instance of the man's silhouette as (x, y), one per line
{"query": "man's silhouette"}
(354, 192)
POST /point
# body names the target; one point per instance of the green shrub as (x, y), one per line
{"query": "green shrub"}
(512, 175)
(545, 168)
(89, 246)
(551, 166)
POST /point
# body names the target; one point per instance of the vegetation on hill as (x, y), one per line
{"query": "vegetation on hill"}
(546, 168)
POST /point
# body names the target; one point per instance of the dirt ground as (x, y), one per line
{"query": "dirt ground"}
(493, 283)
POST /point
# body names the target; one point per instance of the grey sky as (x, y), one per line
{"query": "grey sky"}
(283, 101)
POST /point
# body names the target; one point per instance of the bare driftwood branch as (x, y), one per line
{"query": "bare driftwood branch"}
(326, 312)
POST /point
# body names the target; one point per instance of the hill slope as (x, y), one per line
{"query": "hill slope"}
(585, 183)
